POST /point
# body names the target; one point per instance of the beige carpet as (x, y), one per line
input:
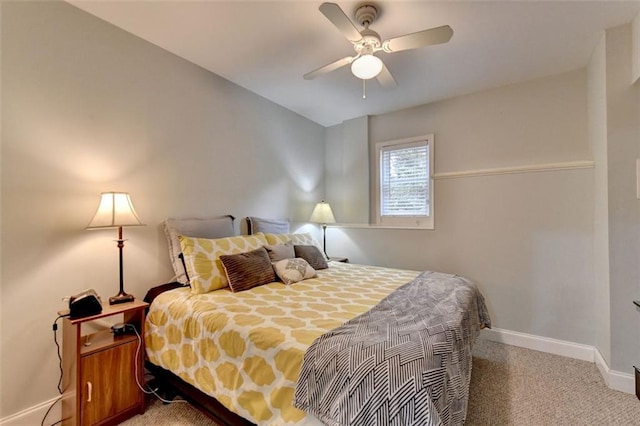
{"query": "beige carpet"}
(515, 386)
(509, 386)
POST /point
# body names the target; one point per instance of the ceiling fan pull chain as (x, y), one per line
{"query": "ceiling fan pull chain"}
(364, 89)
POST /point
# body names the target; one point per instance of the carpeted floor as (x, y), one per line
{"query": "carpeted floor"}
(516, 386)
(509, 386)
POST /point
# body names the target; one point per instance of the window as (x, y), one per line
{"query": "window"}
(404, 192)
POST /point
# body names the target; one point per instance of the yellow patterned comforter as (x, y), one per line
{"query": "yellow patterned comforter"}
(246, 349)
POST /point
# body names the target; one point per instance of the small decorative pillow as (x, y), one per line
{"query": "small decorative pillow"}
(312, 255)
(202, 258)
(297, 239)
(248, 270)
(293, 270)
(280, 251)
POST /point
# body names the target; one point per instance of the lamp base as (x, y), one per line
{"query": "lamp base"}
(121, 298)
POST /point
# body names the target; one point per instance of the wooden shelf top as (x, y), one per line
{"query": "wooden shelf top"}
(103, 340)
(108, 310)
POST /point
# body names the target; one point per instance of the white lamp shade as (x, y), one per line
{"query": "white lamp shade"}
(115, 209)
(366, 67)
(322, 213)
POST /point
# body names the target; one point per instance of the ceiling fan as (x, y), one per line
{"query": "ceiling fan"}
(365, 64)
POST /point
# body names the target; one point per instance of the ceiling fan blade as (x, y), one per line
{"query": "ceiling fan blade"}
(329, 67)
(385, 78)
(333, 13)
(424, 38)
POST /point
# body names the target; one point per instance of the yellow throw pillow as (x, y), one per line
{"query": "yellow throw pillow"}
(202, 258)
(304, 239)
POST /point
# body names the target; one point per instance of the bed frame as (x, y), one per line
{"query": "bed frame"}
(173, 385)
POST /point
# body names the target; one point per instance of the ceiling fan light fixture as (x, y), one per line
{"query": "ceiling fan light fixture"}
(366, 66)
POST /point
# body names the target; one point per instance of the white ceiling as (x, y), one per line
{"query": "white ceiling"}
(266, 46)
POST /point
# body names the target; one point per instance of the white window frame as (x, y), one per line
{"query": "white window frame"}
(416, 221)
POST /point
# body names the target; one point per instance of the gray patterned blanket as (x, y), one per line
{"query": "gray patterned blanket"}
(407, 361)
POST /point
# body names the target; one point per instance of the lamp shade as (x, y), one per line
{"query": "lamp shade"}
(366, 66)
(322, 213)
(115, 209)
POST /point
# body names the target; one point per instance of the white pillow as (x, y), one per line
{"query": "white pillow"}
(293, 270)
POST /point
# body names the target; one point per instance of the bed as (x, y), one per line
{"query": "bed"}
(355, 344)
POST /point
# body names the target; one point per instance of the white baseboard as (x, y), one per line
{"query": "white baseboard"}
(33, 415)
(615, 380)
(542, 344)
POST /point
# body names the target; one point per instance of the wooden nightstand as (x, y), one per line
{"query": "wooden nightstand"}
(340, 259)
(99, 369)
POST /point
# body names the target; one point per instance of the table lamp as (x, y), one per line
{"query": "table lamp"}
(115, 211)
(323, 214)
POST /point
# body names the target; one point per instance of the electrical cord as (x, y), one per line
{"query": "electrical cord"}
(60, 390)
(49, 410)
(146, 391)
(55, 340)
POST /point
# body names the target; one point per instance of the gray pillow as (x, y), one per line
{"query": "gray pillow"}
(267, 226)
(217, 227)
(279, 252)
(248, 270)
(312, 255)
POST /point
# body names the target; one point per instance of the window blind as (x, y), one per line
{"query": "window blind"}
(404, 182)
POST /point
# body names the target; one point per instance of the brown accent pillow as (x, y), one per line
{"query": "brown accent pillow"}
(312, 255)
(248, 270)
(280, 251)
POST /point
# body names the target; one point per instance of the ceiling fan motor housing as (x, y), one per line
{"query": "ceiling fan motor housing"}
(366, 14)
(370, 42)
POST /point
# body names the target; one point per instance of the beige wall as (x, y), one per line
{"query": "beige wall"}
(86, 108)
(623, 148)
(526, 239)
(347, 160)
(635, 49)
(597, 102)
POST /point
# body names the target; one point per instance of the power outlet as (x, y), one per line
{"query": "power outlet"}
(120, 329)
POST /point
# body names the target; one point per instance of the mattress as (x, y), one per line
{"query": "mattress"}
(246, 349)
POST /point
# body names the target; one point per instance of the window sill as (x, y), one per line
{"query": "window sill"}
(373, 226)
